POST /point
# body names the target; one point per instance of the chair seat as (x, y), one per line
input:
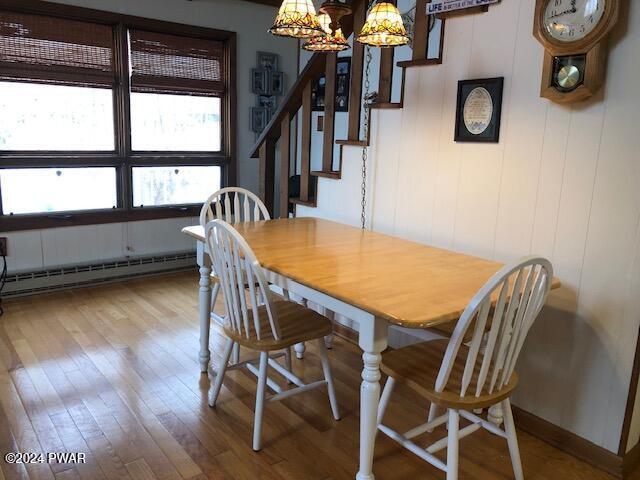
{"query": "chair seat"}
(418, 365)
(297, 324)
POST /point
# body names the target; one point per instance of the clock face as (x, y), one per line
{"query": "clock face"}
(572, 20)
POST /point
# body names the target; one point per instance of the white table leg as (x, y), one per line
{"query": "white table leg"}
(300, 348)
(495, 414)
(373, 340)
(204, 306)
(328, 340)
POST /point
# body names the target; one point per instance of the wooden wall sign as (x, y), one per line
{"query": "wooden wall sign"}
(443, 7)
(574, 35)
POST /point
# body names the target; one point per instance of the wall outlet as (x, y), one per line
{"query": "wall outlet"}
(3, 246)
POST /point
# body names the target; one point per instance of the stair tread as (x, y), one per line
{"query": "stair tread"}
(354, 143)
(332, 174)
(385, 105)
(312, 202)
(419, 62)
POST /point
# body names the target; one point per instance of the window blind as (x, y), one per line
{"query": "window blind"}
(38, 47)
(165, 63)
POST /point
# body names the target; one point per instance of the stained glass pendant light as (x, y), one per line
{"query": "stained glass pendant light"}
(298, 19)
(332, 41)
(384, 27)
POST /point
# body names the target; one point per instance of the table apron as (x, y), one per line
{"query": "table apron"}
(322, 299)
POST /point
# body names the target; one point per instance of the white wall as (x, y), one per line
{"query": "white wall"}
(38, 248)
(564, 182)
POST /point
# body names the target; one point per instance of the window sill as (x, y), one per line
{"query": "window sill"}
(12, 223)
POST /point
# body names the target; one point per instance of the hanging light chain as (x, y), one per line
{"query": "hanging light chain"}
(367, 116)
(365, 148)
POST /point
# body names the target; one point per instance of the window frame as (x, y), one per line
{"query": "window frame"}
(123, 158)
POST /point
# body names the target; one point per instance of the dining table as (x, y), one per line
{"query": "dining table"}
(375, 280)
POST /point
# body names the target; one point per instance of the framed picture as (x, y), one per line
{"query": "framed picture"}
(259, 118)
(317, 94)
(267, 101)
(343, 80)
(478, 110)
(267, 61)
(276, 83)
(343, 83)
(259, 81)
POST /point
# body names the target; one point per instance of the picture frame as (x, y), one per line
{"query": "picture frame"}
(478, 110)
(259, 119)
(343, 84)
(317, 94)
(269, 102)
(267, 61)
(259, 81)
(276, 83)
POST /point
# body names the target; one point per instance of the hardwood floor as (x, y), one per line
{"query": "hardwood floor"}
(112, 372)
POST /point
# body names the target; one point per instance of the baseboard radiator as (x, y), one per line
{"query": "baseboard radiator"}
(58, 278)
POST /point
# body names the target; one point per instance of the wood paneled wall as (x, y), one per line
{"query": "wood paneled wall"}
(563, 182)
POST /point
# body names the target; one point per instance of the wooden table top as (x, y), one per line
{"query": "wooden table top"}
(406, 283)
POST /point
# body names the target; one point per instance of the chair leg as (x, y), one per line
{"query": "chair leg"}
(214, 294)
(287, 362)
(217, 383)
(433, 413)
(326, 368)
(235, 357)
(512, 440)
(384, 398)
(452, 445)
(260, 393)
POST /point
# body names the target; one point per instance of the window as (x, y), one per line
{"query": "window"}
(33, 190)
(173, 185)
(55, 117)
(111, 118)
(165, 122)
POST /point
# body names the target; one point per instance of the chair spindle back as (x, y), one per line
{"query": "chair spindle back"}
(242, 281)
(522, 288)
(233, 205)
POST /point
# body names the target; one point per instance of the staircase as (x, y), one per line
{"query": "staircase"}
(297, 105)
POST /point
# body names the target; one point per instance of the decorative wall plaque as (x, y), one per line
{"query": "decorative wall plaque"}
(478, 110)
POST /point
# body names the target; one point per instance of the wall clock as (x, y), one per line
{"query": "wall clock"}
(574, 36)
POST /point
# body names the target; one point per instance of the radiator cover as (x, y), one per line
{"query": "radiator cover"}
(58, 278)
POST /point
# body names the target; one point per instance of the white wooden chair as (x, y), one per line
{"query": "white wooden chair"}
(231, 204)
(256, 320)
(462, 377)
(223, 205)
